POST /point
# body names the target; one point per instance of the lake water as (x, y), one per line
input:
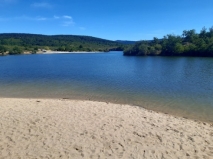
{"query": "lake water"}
(181, 86)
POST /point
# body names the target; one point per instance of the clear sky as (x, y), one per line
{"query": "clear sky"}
(108, 19)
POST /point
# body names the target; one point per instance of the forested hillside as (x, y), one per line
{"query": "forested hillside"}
(189, 43)
(15, 43)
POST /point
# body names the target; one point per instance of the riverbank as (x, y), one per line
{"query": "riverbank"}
(53, 52)
(67, 52)
(54, 128)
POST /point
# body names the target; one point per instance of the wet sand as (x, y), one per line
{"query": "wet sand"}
(62, 128)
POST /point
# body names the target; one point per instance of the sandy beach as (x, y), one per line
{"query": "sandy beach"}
(62, 128)
(67, 52)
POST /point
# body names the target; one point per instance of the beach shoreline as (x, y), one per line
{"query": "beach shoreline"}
(54, 52)
(67, 52)
(66, 128)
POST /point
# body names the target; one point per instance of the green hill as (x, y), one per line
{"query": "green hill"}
(16, 43)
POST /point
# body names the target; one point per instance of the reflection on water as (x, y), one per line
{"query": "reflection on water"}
(177, 85)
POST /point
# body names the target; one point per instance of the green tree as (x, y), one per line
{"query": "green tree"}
(2, 49)
(179, 49)
(189, 35)
(143, 49)
(16, 50)
(210, 33)
(155, 40)
(203, 33)
(80, 46)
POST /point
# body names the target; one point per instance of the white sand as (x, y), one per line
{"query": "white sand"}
(59, 128)
(67, 52)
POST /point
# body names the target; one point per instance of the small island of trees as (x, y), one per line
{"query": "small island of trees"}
(189, 43)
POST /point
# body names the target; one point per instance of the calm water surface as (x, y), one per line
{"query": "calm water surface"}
(180, 86)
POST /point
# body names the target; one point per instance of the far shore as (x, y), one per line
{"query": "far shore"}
(63, 128)
(55, 52)
(67, 52)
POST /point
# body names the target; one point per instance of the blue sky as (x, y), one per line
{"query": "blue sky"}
(108, 19)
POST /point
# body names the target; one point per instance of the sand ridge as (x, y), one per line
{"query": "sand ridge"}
(60, 128)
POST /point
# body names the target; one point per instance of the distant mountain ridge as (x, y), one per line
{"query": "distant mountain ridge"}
(61, 37)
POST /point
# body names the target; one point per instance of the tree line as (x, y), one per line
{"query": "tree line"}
(189, 43)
